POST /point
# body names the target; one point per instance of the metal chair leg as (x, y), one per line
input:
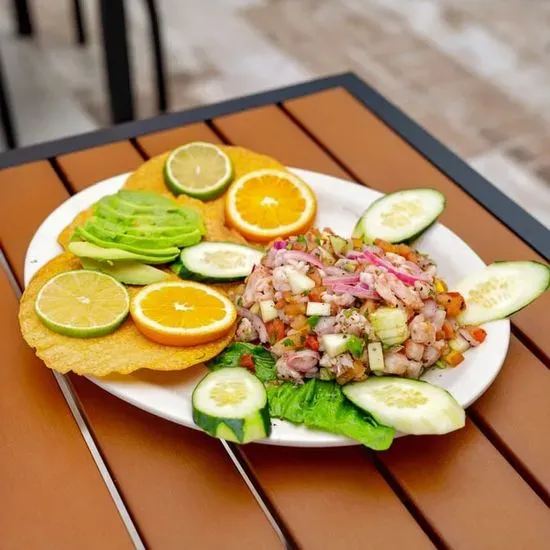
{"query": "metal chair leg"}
(80, 24)
(6, 115)
(117, 65)
(156, 39)
(22, 17)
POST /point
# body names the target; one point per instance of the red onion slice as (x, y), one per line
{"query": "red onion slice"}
(357, 291)
(407, 278)
(344, 279)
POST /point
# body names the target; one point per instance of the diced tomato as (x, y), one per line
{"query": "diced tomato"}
(247, 361)
(439, 335)
(315, 294)
(448, 330)
(280, 304)
(453, 303)
(275, 330)
(287, 296)
(478, 333)
(312, 342)
(453, 358)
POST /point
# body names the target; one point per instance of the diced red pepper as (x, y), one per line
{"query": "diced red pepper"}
(312, 342)
(448, 330)
(275, 330)
(453, 303)
(315, 294)
(247, 361)
(453, 358)
(477, 333)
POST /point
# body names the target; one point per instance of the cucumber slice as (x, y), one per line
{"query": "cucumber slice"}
(390, 325)
(335, 344)
(231, 404)
(298, 281)
(217, 261)
(401, 216)
(409, 406)
(501, 289)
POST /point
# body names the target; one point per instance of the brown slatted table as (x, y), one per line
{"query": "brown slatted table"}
(81, 469)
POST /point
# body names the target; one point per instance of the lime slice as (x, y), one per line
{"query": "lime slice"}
(198, 169)
(82, 303)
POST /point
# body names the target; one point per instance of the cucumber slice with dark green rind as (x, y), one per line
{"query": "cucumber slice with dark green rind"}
(501, 289)
(217, 261)
(401, 216)
(409, 406)
(231, 404)
(169, 252)
(85, 249)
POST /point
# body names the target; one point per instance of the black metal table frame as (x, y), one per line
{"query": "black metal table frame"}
(498, 204)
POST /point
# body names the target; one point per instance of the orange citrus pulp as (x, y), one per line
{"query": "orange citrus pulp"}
(182, 313)
(266, 204)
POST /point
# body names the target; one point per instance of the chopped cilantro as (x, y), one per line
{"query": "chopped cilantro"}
(312, 321)
(355, 346)
(287, 342)
(239, 302)
(318, 240)
(301, 239)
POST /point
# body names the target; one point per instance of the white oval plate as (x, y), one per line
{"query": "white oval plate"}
(168, 394)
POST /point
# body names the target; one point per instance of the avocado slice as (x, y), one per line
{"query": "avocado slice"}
(183, 217)
(85, 235)
(93, 251)
(130, 273)
(145, 198)
(118, 234)
(138, 230)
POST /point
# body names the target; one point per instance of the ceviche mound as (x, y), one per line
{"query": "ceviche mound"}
(335, 308)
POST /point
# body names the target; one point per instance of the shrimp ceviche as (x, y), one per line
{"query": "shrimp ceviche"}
(334, 308)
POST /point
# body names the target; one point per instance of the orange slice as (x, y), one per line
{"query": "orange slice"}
(182, 313)
(267, 204)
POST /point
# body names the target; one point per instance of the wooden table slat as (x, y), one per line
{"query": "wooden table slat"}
(29, 194)
(384, 161)
(471, 495)
(173, 480)
(100, 162)
(483, 452)
(51, 487)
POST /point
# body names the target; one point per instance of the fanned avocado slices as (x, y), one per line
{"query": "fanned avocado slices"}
(150, 227)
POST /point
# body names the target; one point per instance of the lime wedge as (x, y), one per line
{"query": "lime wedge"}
(198, 169)
(83, 304)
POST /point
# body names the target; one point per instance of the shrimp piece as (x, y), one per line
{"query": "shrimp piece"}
(406, 294)
(342, 300)
(325, 325)
(422, 331)
(395, 363)
(258, 286)
(382, 285)
(414, 350)
(246, 332)
(350, 323)
(414, 370)
(280, 280)
(431, 355)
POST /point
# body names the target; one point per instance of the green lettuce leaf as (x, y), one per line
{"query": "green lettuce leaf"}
(264, 362)
(321, 405)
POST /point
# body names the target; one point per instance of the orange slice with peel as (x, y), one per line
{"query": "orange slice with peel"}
(267, 204)
(182, 313)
